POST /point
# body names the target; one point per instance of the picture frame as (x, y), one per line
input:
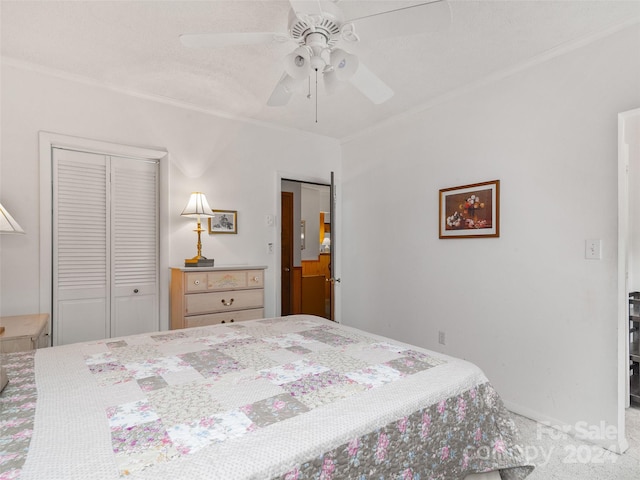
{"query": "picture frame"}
(223, 221)
(470, 211)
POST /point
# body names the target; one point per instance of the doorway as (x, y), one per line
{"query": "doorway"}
(306, 249)
(628, 249)
(47, 143)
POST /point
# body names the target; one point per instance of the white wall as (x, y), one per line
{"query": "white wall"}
(538, 318)
(237, 164)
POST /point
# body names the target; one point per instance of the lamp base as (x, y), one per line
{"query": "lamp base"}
(198, 262)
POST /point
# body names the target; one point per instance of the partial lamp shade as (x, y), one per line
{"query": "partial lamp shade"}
(197, 206)
(7, 223)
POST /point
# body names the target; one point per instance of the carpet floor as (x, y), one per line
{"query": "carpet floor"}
(558, 456)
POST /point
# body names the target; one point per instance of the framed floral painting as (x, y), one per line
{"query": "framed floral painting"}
(224, 221)
(470, 211)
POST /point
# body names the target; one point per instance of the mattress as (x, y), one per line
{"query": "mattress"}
(289, 398)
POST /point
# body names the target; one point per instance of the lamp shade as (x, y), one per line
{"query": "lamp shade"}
(345, 64)
(7, 223)
(197, 206)
(298, 64)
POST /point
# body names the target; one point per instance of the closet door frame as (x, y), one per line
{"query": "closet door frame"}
(48, 141)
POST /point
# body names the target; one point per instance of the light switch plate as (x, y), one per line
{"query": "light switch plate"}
(593, 249)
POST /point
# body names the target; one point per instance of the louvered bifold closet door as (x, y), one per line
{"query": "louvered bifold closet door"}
(135, 303)
(80, 247)
(105, 246)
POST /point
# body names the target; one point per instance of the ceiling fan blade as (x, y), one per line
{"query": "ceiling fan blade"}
(283, 91)
(422, 18)
(306, 7)
(230, 39)
(371, 86)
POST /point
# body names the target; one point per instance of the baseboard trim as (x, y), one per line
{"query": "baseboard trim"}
(618, 445)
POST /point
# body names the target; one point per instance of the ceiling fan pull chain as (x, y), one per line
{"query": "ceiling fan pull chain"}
(316, 95)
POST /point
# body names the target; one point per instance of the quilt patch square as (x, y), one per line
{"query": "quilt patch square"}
(148, 384)
(288, 340)
(333, 393)
(291, 371)
(324, 336)
(183, 403)
(130, 414)
(139, 438)
(191, 437)
(274, 409)
(135, 353)
(156, 366)
(211, 363)
(375, 376)
(423, 357)
(253, 357)
(299, 350)
(168, 337)
(408, 365)
(311, 383)
(112, 377)
(337, 360)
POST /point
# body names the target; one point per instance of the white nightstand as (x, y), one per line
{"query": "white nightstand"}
(24, 332)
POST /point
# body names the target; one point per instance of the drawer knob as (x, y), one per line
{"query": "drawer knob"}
(196, 282)
(227, 304)
(255, 279)
(135, 290)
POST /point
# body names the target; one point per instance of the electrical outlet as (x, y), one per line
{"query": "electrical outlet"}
(441, 338)
(270, 220)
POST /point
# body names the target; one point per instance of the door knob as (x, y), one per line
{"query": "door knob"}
(286, 269)
(135, 290)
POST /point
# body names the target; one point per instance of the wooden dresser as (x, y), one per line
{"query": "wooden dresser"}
(24, 332)
(207, 296)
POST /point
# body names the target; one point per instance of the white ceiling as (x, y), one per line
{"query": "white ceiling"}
(134, 46)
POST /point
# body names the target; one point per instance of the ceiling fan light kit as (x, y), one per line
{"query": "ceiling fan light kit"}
(317, 27)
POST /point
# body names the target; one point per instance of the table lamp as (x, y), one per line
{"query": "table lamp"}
(7, 225)
(196, 208)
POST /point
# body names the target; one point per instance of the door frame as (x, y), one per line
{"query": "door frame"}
(280, 176)
(48, 141)
(623, 268)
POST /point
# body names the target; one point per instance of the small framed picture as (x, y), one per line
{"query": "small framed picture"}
(224, 221)
(470, 211)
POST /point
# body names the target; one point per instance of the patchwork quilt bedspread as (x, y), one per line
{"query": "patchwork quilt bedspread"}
(290, 398)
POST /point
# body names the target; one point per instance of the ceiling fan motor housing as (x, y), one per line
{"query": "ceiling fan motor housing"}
(327, 24)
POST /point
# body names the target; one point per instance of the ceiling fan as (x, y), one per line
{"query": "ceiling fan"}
(318, 27)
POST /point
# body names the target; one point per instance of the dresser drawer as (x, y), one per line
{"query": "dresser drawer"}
(224, 317)
(223, 301)
(228, 280)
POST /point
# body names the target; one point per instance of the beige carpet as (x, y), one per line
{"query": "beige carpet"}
(559, 457)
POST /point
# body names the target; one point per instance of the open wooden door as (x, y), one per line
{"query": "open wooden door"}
(333, 279)
(286, 242)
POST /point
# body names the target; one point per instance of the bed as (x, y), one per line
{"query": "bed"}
(290, 398)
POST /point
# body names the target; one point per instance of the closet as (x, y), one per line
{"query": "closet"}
(105, 246)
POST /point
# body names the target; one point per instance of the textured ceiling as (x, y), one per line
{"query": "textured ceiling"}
(134, 45)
